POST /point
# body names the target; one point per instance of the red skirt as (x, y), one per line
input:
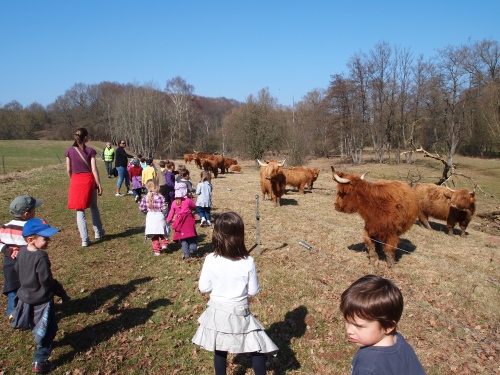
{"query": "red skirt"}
(81, 187)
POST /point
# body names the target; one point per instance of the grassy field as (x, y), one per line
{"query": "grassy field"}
(134, 313)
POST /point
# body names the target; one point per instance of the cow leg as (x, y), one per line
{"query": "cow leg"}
(301, 188)
(390, 250)
(424, 220)
(372, 251)
(450, 223)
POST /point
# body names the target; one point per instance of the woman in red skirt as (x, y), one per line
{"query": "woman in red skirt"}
(84, 185)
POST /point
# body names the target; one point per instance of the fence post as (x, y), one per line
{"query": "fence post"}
(3, 164)
(257, 223)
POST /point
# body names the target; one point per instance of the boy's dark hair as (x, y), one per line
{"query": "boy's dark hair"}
(170, 164)
(185, 173)
(373, 298)
(228, 236)
(162, 163)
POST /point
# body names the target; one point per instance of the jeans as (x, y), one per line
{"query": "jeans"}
(44, 348)
(204, 212)
(109, 167)
(188, 246)
(122, 175)
(11, 304)
(81, 220)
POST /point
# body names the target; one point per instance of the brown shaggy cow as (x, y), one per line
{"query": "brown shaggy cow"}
(209, 166)
(389, 208)
(442, 203)
(297, 179)
(188, 158)
(235, 168)
(228, 162)
(272, 180)
(312, 174)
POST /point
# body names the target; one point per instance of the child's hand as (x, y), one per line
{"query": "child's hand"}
(15, 250)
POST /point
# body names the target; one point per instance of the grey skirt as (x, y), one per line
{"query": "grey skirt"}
(232, 328)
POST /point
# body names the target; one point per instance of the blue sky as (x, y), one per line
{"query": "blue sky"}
(223, 48)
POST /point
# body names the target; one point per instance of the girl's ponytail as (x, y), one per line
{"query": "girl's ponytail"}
(79, 137)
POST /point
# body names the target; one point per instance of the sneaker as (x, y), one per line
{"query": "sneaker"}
(157, 254)
(118, 195)
(86, 243)
(164, 247)
(42, 367)
(137, 199)
(109, 176)
(209, 224)
(130, 192)
(101, 234)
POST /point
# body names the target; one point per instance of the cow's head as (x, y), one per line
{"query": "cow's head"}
(272, 168)
(346, 199)
(463, 200)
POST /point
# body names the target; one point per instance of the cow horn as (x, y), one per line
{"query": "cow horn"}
(363, 175)
(450, 189)
(261, 163)
(281, 163)
(340, 180)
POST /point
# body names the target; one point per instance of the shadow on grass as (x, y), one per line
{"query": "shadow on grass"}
(176, 247)
(404, 247)
(101, 296)
(282, 333)
(127, 233)
(86, 338)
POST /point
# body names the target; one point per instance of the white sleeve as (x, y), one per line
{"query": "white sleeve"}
(253, 282)
(205, 284)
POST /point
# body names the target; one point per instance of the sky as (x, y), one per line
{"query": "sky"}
(229, 49)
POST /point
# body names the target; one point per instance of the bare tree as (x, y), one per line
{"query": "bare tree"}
(179, 113)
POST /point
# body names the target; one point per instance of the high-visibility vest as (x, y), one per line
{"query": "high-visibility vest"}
(109, 154)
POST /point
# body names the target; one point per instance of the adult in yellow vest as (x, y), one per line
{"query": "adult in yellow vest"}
(108, 155)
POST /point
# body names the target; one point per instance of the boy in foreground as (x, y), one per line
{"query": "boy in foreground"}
(372, 307)
(35, 305)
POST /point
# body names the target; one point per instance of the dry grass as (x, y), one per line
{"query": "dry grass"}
(134, 313)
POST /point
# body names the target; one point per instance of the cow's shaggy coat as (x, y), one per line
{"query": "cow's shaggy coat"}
(389, 208)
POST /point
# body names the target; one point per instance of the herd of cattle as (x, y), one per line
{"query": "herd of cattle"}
(388, 207)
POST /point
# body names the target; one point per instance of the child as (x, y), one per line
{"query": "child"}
(135, 173)
(185, 179)
(155, 208)
(22, 209)
(149, 172)
(170, 183)
(161, 178)
(372, 307)
(35, 307)
(204, 201)
(227, 325)
(180, 169)
(184, 225)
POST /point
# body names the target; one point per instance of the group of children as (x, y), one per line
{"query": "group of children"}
(175, 207)
(372, 306)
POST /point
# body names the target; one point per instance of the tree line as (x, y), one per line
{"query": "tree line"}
(388, 100)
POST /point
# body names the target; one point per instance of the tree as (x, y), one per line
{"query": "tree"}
(257, 126)
(179, 112)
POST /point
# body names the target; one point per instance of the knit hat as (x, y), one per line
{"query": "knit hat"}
(38, 227)
(180, 190)
(135, 161)
(22, 204)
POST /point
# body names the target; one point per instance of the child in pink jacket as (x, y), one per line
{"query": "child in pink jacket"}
(184, 224)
